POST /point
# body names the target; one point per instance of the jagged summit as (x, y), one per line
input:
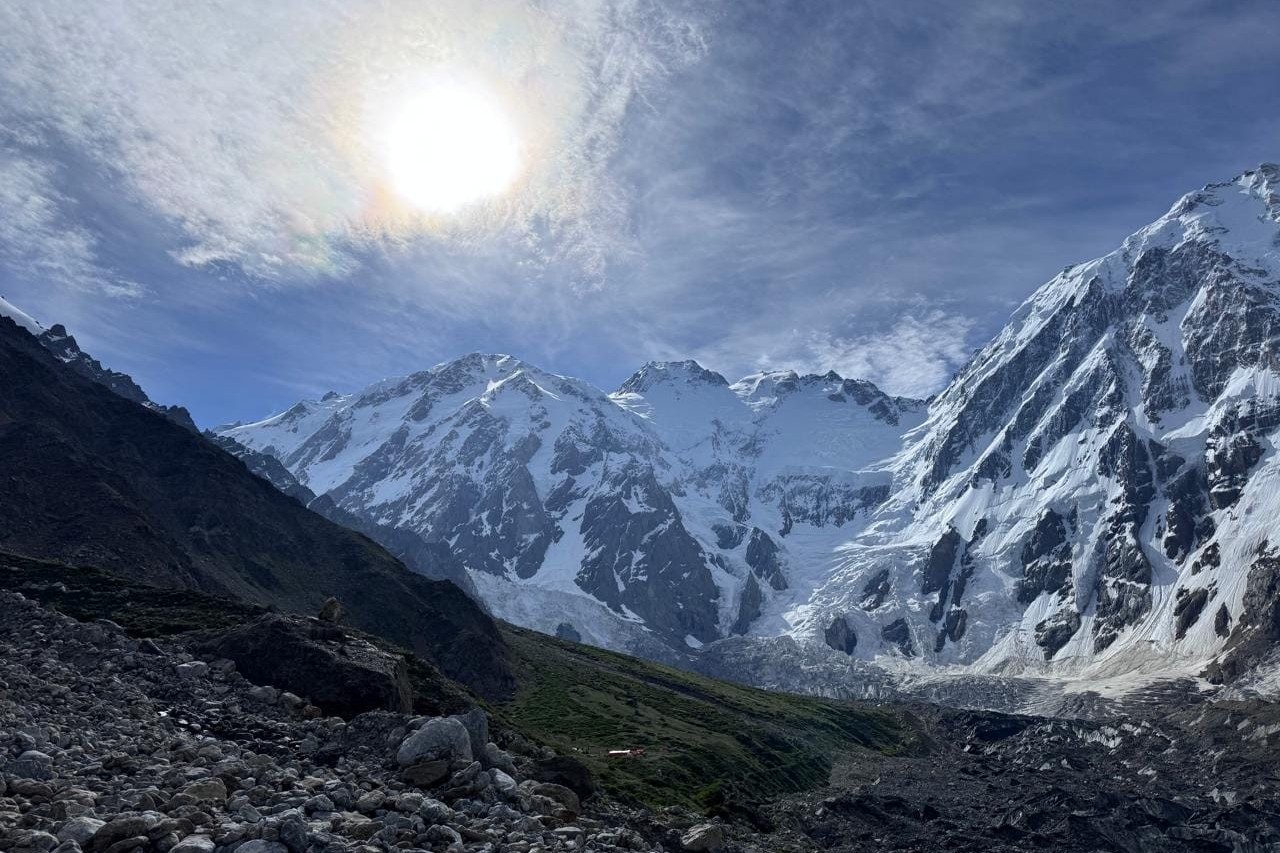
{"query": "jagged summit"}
(654, 372)
(58, 341)
(561, 498)
(1076, 493)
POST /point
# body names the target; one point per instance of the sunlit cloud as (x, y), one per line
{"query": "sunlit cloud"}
(914, 357)
(258, 130)
(750, 183)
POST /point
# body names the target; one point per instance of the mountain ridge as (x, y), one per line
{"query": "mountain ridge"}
(98, 479)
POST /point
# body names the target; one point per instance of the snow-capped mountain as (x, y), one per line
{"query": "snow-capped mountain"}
(1095, 492)
(1098, 487)
(659, 511)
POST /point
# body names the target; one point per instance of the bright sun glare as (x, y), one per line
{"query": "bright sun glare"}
(450, 146)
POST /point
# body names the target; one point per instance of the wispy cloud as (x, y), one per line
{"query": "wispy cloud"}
(39, 238)
(914, 357)
(247, 125)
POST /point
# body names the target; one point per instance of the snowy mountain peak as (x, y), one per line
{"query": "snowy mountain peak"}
(763, 391)
(651, 513)
(766, 386)
(686, 372)
(1068, 501)
(8, 309)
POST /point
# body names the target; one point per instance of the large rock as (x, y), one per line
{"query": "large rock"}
(340, 673)
(260, 846)
(561, 795)
(80, 829)
(705, 836)
(122, 827)
(476, 722)
(194, 844)
(566, 771)
(193, 669)
(441, 738)
(426, 774)
(31, 764)
(207, 789)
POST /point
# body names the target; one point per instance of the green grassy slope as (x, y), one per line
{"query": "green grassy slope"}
(709, 744)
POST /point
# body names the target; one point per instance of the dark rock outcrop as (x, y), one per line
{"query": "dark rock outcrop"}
(1187, 611)
(58, 341)
(633, 530)
(1046, 559)
(748, 605)
(876, 590)
(568, 772)
(566, 631)
(319, 661)
(1257, 627)
(840, 636)
(763, 558)
(1056, 631)
(898, 632)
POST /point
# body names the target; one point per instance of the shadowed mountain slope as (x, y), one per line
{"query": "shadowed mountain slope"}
(92, 478)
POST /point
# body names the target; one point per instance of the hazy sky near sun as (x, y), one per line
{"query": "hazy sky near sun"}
(196, 190)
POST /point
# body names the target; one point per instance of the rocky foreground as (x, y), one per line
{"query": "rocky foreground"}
(113, 745)
(110, 744)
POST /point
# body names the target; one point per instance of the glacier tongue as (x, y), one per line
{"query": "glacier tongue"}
(1094, 495)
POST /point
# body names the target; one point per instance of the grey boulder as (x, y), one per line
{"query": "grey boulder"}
(439, 738)
(80, 829)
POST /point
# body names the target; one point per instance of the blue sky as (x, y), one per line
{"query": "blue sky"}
(867, 187)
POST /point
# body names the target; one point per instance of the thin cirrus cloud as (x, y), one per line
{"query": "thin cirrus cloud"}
(251, 128)
(918, 353)
(38, 233)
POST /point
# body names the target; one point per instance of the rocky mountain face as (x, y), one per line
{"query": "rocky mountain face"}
(64, 348)
(430, 559)
(92, 478)
(1096, 489)
(659, 512)
(1093, 492)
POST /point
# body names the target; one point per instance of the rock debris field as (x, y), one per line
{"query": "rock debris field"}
(116, 745)
(110, 744)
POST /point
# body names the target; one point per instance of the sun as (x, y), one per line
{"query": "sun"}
(449, 146)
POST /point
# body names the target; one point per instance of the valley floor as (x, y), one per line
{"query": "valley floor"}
(115, 744)
(1198, 779)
